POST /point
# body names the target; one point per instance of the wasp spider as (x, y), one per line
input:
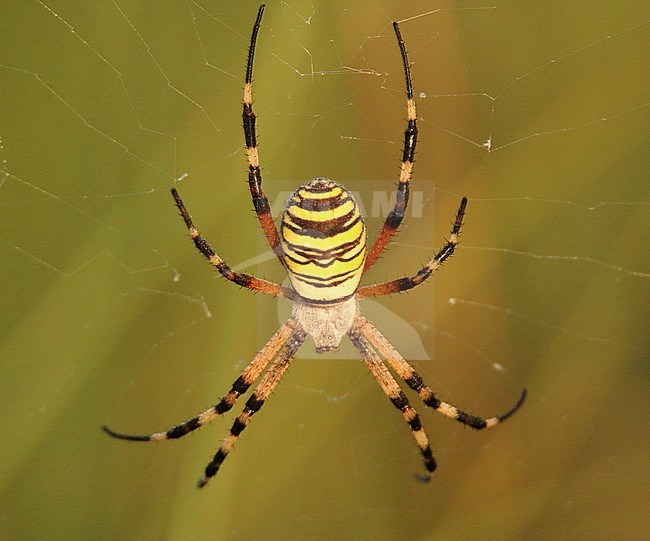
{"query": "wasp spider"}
(322, 245)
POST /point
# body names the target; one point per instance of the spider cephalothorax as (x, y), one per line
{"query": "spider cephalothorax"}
(322, 245)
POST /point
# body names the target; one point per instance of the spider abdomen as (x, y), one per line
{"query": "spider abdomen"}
(323, 238)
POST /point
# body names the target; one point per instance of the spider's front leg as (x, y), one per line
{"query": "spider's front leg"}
(395, 394)
(257, 399)
(414, 381)
(250, 374)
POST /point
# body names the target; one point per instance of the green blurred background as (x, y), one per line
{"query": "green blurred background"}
(537, 111)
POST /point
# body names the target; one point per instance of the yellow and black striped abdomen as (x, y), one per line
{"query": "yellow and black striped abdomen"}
(323, 238)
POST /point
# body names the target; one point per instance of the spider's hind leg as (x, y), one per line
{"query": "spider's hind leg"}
(260, 201)
(395, 216)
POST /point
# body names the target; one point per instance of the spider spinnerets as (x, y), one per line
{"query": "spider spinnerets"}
(322, 245)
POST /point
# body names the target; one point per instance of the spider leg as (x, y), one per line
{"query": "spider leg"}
(395, 216)
(256, 401)
(396, 395)
(250, 374)
(404, 284)
(244, 280)
(414, 381)
(260, 201)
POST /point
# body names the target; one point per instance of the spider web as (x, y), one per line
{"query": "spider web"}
(538, 113)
